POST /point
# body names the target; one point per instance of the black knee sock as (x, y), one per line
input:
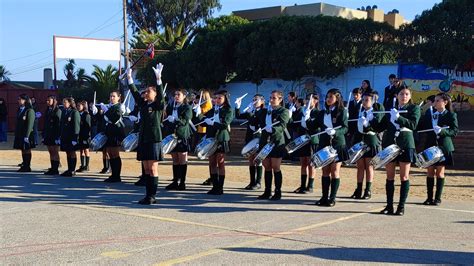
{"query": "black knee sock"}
(143, 170)
(73, 164)
(23, 159)
(268, 181)
(153, 185)
(215, 181)
(325, 183)
(221, 181)
(404, 189)
(183, 172)
(105, 163)
(310, 183)
(389, 191)
(439, 187)
(54, 165)
(359, 186)
(83, 161)
(334, 187)
(175, 172)
(259, 174)
(278, 181)
(368, 185)
(28, 159)
(87, 161)
(119, 166)
(252, 170)
(429, 187)
(303, 181)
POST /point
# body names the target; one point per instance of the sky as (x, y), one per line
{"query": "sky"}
(27, 27)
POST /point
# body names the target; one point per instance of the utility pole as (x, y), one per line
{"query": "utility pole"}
(125, 35)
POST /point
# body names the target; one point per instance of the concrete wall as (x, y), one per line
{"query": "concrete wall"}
(260, 13)
(376, 15)
(396, 20)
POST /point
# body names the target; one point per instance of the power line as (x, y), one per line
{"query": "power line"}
(103, 23)
(25, 56)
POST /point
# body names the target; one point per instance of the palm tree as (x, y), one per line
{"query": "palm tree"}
(4, 73)
(69, 73)
(104, 81)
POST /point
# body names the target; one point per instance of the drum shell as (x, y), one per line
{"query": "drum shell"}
(169, 143)
(429, 156)
(98, 141)
(297, 143)
(264, 152)
(386, 156)
(251, 148)
(130, 143)
(206, 148)
(324, 157)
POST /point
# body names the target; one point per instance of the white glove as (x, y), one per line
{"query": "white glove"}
(394, 115)
(209, 121)
(238, 103)
(252, 128)
(133, 118)
(74, 143)
(158, 70)
(437, 129)
(94, 109)
(370, 116)
(171, 118)
(127, 110)
(330, 131)
(303, 123)
(129, 76)
(26, 140)
(123, 110)
(292, 108)
(37, 114)
(197, 109)
(103, 107)
(58, 142)
(250, 108)
(268, 128)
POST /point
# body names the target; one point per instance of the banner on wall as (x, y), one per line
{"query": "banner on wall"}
(426, 81)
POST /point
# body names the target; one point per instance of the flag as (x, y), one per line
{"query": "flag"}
(150, 51)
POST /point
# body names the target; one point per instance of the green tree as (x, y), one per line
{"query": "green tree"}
(104, 81)
(4, 73)
(442, 36)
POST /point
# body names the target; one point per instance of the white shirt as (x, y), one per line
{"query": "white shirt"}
(328, 119)
(268, 118)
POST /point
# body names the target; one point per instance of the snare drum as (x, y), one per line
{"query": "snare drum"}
(324, 157)
(169, 143)
(385, 156)
(130, 143)
(264, 152)
(356, 152)
(297, 143)
(429, 157)
(251, 148)
(206, 148)
(98, 141)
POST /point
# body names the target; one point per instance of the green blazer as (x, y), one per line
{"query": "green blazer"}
(221, 129)
(85, 132)
(405, 140)
(150, 115)
(70, 125)
(24, 127)
(277, 136)
(252, 121)
(51, 127)
(445, 138)
(339, 118)
(311, 125)
(370, 140)
(181, 125)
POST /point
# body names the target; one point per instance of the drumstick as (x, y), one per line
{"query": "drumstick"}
(95, 94)
(388, 112)
(324, 132)
(394, 101)
(299, 121)
(260, 129)
(431, 129)
(164, 89)
(202, 122)
(244, 123)
(248, 107)
(192, 125)
(200, 99)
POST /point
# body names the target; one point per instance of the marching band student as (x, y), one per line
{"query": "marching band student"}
(24, 135)
(353, 108)
(258, 102)
(218, 122)
(441, 115)
(52, 133)
(70, 127)
(134, 117)
(334, 115)
(365, 86)
(84, 136)
(149, 137)
(98, 113)
(366, 124)
(206, 105)
(308, 115)
(399, 130)
(114, 130)
(179, 115)
(273, 134)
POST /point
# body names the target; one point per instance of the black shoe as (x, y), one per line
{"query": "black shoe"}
(208, 182)
(147, 201)
(309, 190)
(113, 179)
(323, 202)
(141, 182)
(215, 192)
(367, 194)
(300, 190)
(20, 164)
(81, 169)
(51, 172)
(67, 173)
(172, 186)
(436, 202)
(428, 202)
(276, 196)
(357, 194)
(104, 171)
(400, 211)
(387, 210)
(249, 186)
(257, 186)
(265, 195)
(24, 169)
(331, 203)
(182, 186)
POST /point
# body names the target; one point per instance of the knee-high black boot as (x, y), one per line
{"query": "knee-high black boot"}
(215, 184)
(439, 190)
(278, 185)
(252, 170)
(334, 188)
(268, 185)
(429, 190)
(174, 183)
(404, 189)
(389, 191)
(325, 184)
(182, 177)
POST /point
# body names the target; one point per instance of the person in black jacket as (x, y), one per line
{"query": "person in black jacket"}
(24, 135)
(52, 133)
(84, 136)
(3, 120)
(353, 108)
(70, 126)
(391, 91)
